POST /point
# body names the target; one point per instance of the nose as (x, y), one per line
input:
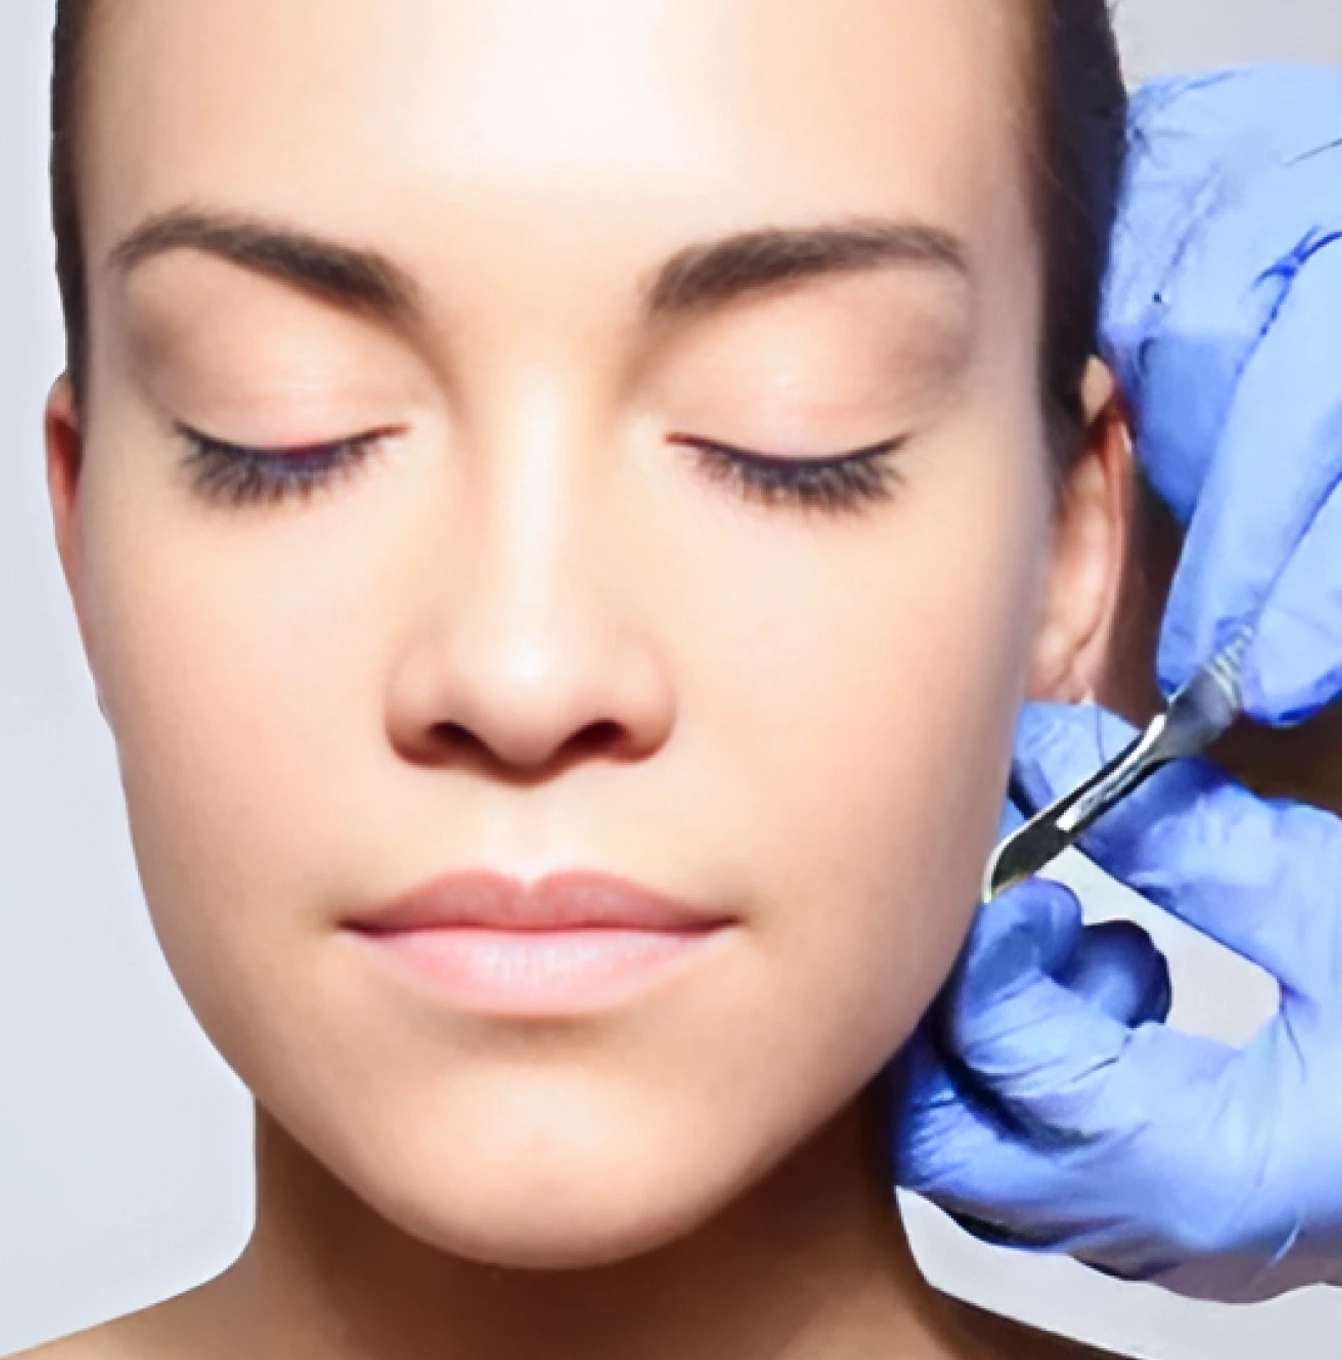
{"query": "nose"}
(530, 649)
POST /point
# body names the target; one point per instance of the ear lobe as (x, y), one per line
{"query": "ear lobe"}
(1091, 527)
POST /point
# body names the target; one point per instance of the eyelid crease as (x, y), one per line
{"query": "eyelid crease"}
(285, 451)
(885, 446)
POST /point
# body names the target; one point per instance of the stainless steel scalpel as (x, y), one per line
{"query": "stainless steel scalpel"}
(1202, 711)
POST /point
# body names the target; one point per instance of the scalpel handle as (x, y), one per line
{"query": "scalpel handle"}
(1034, 846)
(1204, 710)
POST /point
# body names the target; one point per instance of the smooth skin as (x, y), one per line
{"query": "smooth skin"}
(533, 626)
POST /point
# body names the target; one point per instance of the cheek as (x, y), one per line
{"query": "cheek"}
(868, 687)
(244, 683)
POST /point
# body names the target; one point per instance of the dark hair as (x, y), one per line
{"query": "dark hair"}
(1082, 111)
(1080, 108)
(69, 45)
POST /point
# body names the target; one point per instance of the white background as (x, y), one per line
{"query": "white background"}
(124, 1141)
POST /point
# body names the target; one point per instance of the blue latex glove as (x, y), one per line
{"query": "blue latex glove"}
(1049, 1106)
(1054, 1108)
(1223, 320)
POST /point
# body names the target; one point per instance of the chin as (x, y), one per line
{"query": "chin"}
(552, 1184)
(555, 1242)
(576, 1219)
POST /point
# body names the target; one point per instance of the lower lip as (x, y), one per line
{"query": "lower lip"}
(541, 972)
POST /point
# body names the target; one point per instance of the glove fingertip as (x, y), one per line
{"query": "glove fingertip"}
(1300, 684)
(1026, 933)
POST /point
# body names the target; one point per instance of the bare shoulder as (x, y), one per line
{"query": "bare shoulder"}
(155, 1333)
(108, 1341)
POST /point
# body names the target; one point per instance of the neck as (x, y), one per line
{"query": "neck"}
(812, 1262)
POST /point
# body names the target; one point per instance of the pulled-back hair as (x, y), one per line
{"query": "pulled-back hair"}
(1081, 108)
(1079, 105)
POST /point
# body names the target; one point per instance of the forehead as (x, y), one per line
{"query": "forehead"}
(638, 120)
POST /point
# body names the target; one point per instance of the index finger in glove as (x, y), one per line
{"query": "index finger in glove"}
(1262, 878)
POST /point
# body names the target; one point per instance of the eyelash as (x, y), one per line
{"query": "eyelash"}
(239, 475)
(837, 484)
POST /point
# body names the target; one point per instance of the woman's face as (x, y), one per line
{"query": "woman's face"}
(543, 621)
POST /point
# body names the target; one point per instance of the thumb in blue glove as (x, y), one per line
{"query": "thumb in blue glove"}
(1050, 1107)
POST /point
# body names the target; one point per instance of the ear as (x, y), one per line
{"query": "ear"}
(1091, 526)
(65, 462)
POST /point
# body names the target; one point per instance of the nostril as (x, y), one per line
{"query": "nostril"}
(456, 736)
(597, 738)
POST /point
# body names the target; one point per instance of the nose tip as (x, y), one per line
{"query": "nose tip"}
(531, 705)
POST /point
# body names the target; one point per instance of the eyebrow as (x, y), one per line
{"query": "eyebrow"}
(697, 278)
(723, 271)
(358, 280)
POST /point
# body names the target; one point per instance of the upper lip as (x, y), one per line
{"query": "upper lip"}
(569, 900)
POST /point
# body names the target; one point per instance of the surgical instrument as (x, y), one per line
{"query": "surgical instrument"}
(1203, 710)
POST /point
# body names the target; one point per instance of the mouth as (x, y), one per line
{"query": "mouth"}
(569, 943)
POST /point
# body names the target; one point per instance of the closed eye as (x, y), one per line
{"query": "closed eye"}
(240, 474)
(838, 483)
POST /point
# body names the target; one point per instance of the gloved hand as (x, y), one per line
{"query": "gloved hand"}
(1056, 1109)
(1049, 1106)
(1223, 320)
